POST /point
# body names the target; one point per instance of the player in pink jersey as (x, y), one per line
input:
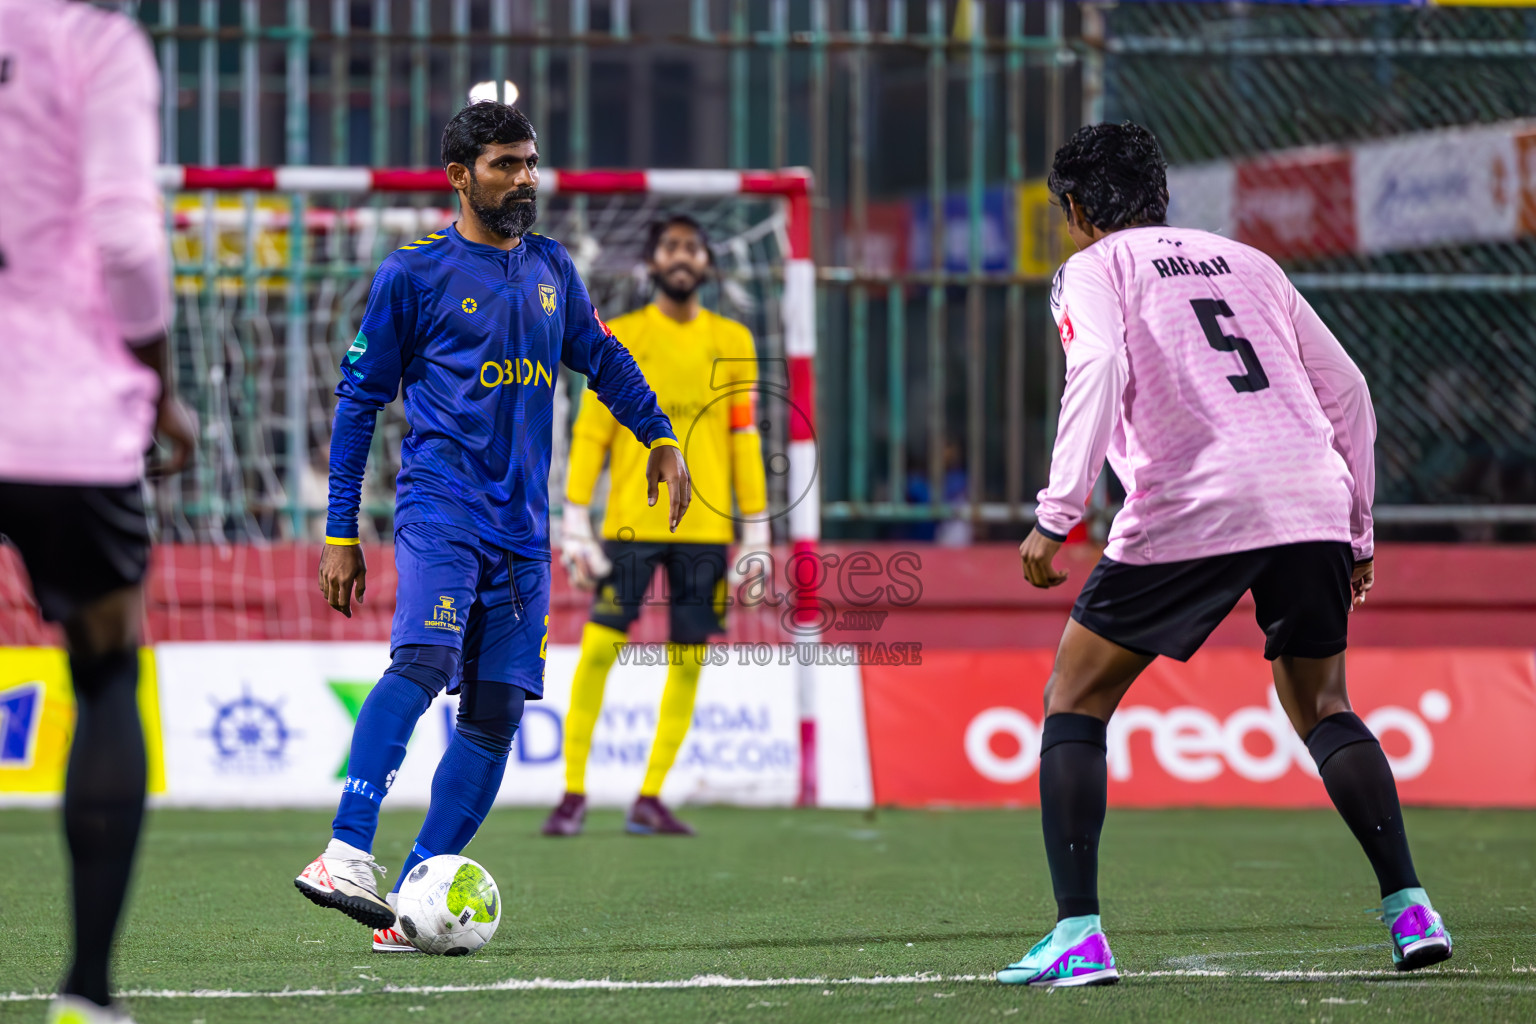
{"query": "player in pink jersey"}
(1243, 434)
(84, 302)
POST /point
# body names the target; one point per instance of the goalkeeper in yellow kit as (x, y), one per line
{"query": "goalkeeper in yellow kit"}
(702, 367)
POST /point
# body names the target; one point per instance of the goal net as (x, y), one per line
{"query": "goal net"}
(270, 288)
(272, 273)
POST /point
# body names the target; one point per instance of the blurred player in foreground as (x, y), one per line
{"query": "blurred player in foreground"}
(84, 304)
(1243, 435)
(703, 368)
(472, 322)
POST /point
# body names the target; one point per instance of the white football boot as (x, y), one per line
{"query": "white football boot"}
(341, 878)
(392, 939)
(75, 1010)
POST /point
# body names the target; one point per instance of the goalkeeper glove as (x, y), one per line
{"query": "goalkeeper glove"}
(580, 552)
(753, 563)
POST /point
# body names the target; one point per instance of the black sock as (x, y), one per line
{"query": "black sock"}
(1360, 784)
(1074, 783)
(103, 806)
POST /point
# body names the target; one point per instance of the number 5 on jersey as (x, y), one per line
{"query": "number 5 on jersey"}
(1207, 310)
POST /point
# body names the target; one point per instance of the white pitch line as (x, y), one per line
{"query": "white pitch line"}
(1297, 975)
(704, 981)
(1204, 961)
(530, 985)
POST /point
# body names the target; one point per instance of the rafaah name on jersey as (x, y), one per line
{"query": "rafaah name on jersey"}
(1175, 266)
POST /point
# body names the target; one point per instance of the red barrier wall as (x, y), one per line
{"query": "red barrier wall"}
(1425, 595)
(1455, 723)
(244, 592)
(1439, 595)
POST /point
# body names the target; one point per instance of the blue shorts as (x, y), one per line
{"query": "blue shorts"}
(491, 605)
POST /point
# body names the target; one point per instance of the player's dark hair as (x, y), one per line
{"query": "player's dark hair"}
(483, 124)
(659, 227)
(1115, 173)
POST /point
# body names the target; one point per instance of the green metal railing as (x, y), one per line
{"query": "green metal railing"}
(1445, 334)
(974, 93)
(938, 375)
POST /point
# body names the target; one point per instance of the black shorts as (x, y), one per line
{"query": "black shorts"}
(1301, 597)
(695, 587)
(78, 542)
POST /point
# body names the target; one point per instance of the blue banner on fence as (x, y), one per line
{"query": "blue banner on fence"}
(996, 232)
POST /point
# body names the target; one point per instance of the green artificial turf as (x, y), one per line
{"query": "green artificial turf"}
(808, 895)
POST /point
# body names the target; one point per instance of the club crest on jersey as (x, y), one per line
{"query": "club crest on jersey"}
(547, 298)
(1066, 331)
(469, 305)
(444, 616)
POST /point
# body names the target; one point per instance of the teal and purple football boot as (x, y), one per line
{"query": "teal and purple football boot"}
(1074, 953)
(1419, 938)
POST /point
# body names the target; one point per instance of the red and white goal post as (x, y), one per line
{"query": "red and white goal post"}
(791, 187)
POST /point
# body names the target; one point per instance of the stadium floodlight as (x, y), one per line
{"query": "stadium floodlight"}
(487, 91)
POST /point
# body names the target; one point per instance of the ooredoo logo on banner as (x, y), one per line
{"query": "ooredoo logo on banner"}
(964, 728)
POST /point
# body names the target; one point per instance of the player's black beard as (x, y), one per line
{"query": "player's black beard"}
(671, 291)
(509, 218)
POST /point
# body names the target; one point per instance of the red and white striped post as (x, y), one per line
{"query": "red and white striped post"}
(804, 485)
(792, 186)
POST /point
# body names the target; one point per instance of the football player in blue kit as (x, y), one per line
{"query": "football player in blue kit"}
(472, 322)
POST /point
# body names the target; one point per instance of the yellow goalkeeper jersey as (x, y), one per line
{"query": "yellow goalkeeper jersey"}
(704, 374)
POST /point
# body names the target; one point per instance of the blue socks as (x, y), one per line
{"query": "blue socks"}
(417, 673)
(467, 781)
(384, 726)
(469, 775)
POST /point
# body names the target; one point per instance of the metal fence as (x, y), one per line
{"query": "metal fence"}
(891, 104)
(269, 296)
(1445, 332)
(928, 125)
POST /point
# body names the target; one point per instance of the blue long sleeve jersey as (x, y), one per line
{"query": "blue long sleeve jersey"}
(474, 334)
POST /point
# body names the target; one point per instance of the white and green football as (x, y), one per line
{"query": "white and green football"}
(449, 905)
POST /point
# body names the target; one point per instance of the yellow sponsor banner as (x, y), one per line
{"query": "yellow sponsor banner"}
(1043, 240)
(37, 720)
(270, 246)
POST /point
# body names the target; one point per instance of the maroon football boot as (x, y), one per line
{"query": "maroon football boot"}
(648, 816)
(567, 819)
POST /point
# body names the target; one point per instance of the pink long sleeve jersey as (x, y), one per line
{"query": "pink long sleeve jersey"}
(1228, 410)
(82, 254)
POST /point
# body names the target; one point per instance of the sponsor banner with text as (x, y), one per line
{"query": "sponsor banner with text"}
(1451, 186)
(1437, 188)
(1044, 243)
(37, 720)
(1525, 153)
(1298, 204)
(996, 232)
(964, 728)
(882, 249)
(270, 724)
